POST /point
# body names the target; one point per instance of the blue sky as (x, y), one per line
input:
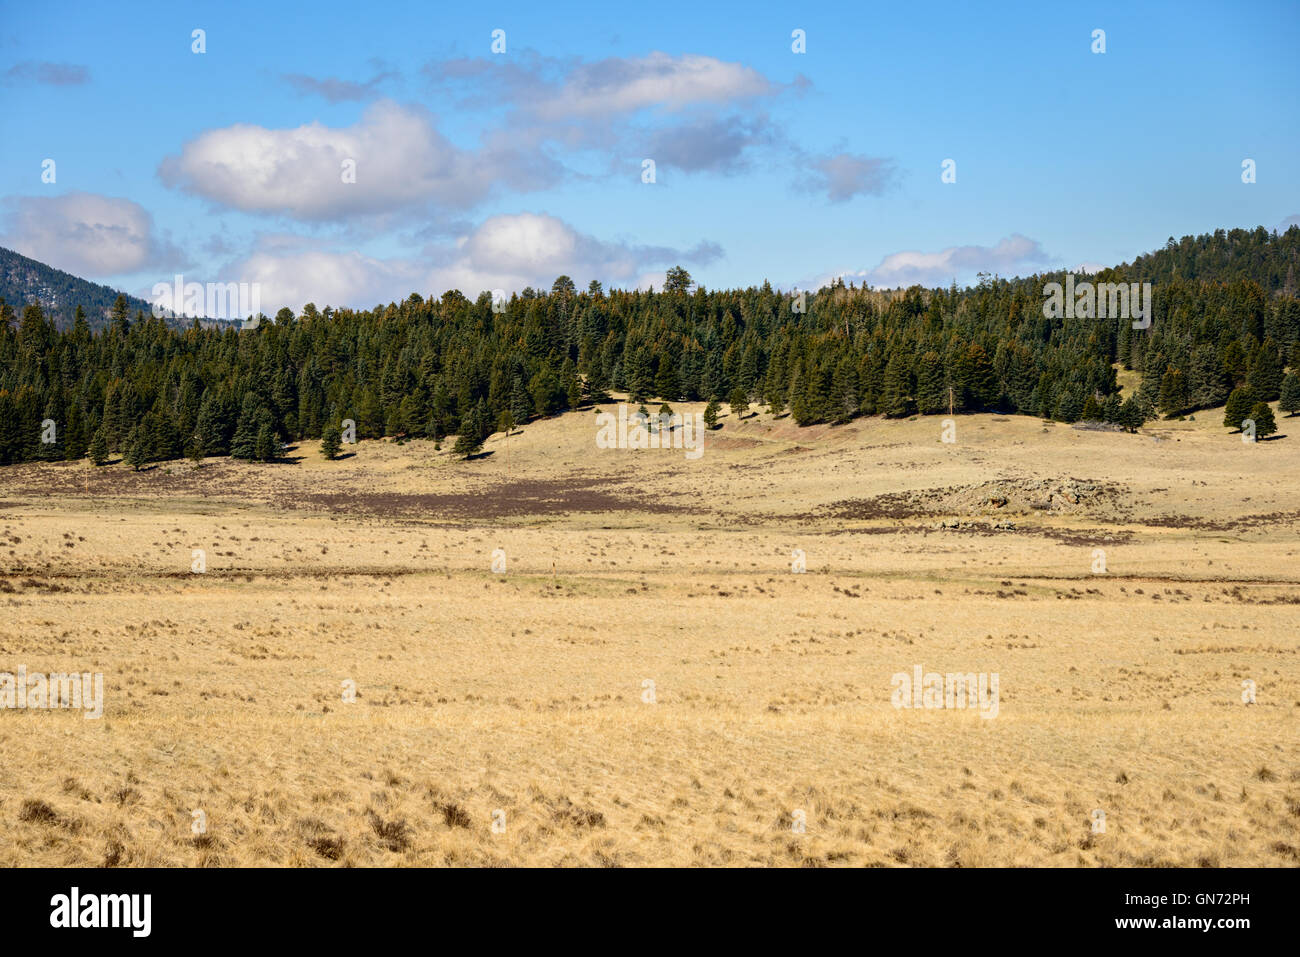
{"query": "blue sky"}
(482, 170)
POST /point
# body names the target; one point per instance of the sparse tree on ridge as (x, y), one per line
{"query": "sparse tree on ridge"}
(677, 280)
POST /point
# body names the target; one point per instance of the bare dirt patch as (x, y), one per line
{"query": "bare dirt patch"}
(508, 500)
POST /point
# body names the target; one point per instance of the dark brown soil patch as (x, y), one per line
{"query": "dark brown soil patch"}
(508, 500)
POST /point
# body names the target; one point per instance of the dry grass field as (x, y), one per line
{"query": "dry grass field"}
(523, 694)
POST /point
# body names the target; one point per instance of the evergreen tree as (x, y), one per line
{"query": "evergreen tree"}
(570, 384)
(711, 414)
(267, 445)
(1238, 407)
(252, 416)
(739, 402)
(521, 406)
(118, 316)
(164, 437)
(895, 392)
(1207, 383)
(1290, 394)
(665, 413)
(370, 416)
(137, 449)
(1173, 392)
(843, 405)
(99, 447)
(637, 372)
(1069, 406)
(678, 280)
(74, 436)
(1131, 414)
(931, 387)
(1262, 415)
(1265, 378)
(666, 380)
(473, 431)
(330, 442)
(215, 425)
(977, 380)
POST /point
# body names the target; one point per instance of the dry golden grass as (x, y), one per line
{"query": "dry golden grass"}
(522, 692)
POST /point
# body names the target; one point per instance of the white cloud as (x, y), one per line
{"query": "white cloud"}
(625, 85)
(692, 112)
(295, 277)
(401, 161)
(1014, 255)
(504, 252)
(530, 249)
(85, 234)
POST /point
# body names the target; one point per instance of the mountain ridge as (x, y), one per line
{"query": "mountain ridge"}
(24, 280)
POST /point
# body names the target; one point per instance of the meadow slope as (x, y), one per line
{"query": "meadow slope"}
(524, 696)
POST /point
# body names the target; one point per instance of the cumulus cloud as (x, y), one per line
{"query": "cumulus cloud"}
(506, 252)
(84, 233)
(553, 90)
(294, 277)
(627, 84)
(689, 112)
(1014, 255)
(402, 163)
(50, 74)
(694, 113)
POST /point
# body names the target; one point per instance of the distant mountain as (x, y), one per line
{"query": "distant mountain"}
(24, 280)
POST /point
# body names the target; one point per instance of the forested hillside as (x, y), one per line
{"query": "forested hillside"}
(24, 281)
(1224, 256)
(1223, 319)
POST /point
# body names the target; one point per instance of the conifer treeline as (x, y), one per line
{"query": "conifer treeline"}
(432, 368)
